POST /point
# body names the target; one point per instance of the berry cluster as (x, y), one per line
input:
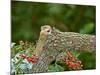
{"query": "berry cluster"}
(32, 59)
(72, 62)
(25, 45)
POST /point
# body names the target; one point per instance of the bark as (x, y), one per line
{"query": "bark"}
(53, 42)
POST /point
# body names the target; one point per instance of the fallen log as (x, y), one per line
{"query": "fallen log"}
(53, 42)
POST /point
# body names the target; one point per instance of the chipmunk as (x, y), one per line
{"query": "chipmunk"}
(45, 31)
(55, 40)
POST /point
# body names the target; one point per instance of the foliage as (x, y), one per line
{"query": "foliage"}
(55, 68)
(28, 17)
(23, 60)
(18, 64)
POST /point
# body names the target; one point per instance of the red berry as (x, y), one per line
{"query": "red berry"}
(32, 59)
(29, 59)
(69, 55)
(79, 62)
(64, 58)
(72, 65)
(67, 62)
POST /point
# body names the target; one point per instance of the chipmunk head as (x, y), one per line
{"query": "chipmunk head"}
(46, 29)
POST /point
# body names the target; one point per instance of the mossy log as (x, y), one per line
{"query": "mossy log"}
(53, 42)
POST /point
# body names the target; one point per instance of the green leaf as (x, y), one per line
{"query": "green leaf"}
(55, 68)
(59, 68)
(75, 54)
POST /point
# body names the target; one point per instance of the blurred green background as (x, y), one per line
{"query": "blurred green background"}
(28, 17)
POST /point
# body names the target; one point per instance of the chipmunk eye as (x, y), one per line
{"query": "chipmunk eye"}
(48, 30)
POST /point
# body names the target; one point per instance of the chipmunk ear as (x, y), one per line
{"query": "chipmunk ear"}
(45, 27)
